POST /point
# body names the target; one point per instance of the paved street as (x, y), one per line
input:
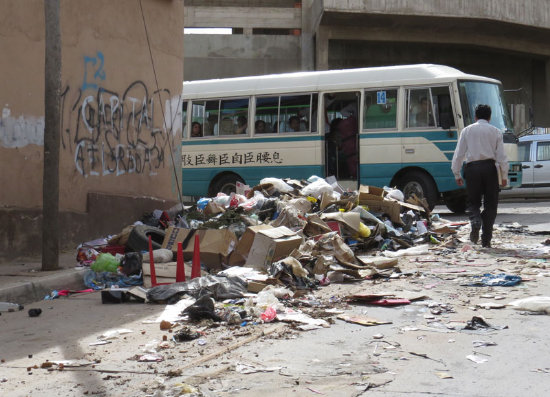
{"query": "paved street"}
(422, 352)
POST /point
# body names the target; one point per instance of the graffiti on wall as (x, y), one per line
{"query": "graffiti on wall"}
(118, 132)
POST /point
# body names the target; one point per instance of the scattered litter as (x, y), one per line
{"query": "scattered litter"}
(480, 343)
(243, 368)
(35, 312)
(476, 358)
(361, 320)
(497, 280)
(151, 357)
(444, 375)
(114, 334)
(539, 304)
(479, 323)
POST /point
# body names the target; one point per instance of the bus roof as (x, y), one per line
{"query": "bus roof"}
(330, 80)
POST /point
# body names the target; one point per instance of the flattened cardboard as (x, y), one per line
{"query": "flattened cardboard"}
(239, 255)
(350, 219)
(370, 193)
(270, 245)
(389, 207)
(215, 244)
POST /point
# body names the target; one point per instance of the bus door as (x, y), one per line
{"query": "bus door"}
(341, 136)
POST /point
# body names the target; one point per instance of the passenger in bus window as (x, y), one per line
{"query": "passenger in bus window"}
(259, 127)
(211, 125)
(294, 124)
(424, 116)
(242, 124)
(196, 129)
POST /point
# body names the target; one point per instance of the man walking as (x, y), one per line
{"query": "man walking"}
(480, 144)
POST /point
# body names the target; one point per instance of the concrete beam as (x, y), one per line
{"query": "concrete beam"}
(534, 13)
(422, 35)
(243, 17)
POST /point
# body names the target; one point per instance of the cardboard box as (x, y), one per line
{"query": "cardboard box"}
(369, 193)
(240, 253)
(215, 244)
(389, 207)
(270, 245)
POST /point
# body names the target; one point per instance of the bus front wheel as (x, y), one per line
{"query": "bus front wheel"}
(420, 184)
(224, 184)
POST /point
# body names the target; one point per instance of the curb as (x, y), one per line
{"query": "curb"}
(36, 290)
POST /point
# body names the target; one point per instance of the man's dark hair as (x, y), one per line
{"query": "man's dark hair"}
(483, 112)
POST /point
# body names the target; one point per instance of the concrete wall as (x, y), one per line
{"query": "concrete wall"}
(214, 56)
(114, 138)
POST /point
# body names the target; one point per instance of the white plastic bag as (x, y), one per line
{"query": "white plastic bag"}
(532, 304)
(317, 188)
(278, 184)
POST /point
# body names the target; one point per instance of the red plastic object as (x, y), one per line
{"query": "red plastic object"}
(180, 268)
(268, 315)
(389, 302)
(196, 268)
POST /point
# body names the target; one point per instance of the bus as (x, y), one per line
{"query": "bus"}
(391, 126)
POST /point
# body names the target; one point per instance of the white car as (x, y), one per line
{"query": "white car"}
(534, 154)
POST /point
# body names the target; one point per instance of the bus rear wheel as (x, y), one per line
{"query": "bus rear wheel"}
(419, 184)
(224, 184)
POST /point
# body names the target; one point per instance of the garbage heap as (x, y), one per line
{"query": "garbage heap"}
(288, 233)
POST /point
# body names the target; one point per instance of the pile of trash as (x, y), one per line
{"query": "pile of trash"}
(281, 235)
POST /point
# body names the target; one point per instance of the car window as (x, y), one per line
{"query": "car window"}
(524, 148)
(543, 151)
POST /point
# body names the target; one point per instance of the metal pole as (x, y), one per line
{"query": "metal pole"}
(52, 128)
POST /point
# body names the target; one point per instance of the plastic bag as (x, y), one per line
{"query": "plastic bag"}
(532, 304)
(278, 184)
(317, 188)
(395, 194)
(105, 263)
(268, 315)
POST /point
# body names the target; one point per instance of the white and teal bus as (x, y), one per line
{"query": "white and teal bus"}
(383, 126)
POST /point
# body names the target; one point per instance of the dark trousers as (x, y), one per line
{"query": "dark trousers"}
(482, 183)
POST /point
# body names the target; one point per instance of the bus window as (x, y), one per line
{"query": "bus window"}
(295, 113)
(267, 111)
(443, 109)
(419, 106)
(380, 109)
(234, 116)
(207, 115)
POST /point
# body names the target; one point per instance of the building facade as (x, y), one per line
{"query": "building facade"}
(121, 118)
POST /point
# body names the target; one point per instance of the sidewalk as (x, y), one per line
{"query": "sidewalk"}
(22, 281)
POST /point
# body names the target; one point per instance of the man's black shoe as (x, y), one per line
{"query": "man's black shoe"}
(474, 234)
(486, 245)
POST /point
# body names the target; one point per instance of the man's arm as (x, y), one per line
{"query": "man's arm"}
(458, 158)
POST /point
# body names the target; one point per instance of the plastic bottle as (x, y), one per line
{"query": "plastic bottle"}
(421, 226)
(10, 307)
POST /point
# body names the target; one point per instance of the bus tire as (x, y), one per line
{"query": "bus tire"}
(224, 184)
(421, 184)
(456, 203)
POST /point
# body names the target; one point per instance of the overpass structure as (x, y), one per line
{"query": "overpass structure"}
(504, 39)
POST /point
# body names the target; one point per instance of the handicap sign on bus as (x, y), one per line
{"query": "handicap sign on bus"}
(380, 97)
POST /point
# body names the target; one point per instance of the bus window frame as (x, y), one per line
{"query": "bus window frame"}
(287, 94)
(435, 115)
(219, 99)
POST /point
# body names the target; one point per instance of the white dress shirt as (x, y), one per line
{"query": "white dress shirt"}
(480, 141)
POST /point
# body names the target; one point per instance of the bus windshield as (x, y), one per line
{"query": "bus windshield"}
(473, 93)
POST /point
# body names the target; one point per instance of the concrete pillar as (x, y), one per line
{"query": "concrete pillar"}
(307, 43)
(321, 48)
